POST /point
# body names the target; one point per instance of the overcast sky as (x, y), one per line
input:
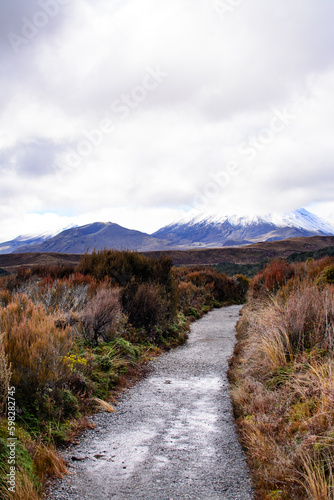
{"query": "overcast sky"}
(135, 111)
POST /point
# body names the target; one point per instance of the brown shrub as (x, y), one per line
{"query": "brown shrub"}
(200, 285)
(62, 296)
(5, 298)
(124, 266)
(34, 346)
(145, 305)
(58, 271)
(315, 267)
(188, 294)
(224, 289)
(101, 315)
(271, 279)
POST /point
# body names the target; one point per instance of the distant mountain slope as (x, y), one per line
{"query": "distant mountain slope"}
(218, 229)
(249, 254)
(205, 230)
(19, 242)
(25, 240)
(98, 235)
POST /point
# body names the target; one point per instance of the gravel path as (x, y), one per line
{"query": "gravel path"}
(173, 436)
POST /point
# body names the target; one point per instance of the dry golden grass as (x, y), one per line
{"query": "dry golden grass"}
(265, 344)
(5, 376)
(48, 463)
(34, 345)
(317, 482)
(283, 392)
(313, 383)
(103, 405)
(24, 489)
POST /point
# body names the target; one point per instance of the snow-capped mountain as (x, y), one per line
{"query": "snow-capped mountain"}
(196, 230)
(302, 219)
(14, 245)
(216, 229)
(21, 241)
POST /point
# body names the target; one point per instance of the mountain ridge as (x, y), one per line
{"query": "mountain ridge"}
(97, 235)
(217, 229)
(195, 230)
(247, 254)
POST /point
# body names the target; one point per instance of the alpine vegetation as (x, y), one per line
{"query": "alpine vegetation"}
(71, 337)
(283, 379)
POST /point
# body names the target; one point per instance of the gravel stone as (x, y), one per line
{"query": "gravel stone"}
(173, 436)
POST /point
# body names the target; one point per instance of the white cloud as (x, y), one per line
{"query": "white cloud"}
(227, 80)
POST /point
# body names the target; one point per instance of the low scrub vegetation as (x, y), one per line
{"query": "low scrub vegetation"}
(248, 270)
(70, 337)
(282, 376)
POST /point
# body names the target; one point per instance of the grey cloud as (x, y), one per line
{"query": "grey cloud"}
(12, 13)
(31, 159)
(225, 78)
(23, 22)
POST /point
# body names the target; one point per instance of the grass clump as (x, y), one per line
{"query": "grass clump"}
(282, 376)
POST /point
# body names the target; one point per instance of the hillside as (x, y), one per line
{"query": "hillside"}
(216, 229)
(196, 230)
(250, 254)
(10, 262)
(98, 236)
(19, 242)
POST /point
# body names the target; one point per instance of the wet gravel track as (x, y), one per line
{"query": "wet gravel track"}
(173, 436)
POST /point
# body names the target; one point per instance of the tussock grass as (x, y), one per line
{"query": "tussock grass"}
(24, 489)
(283, 383)
(103, 405)
(48, 463)
(317, 477)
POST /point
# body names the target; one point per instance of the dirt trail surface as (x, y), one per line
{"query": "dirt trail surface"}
(173, 436)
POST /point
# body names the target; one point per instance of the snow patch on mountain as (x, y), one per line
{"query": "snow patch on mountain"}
(301, 219)
(29, 239)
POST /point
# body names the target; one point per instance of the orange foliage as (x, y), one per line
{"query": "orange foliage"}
(34, 345)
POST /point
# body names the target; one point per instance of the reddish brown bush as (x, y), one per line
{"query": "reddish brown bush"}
(273, 277)
(101, 316)
(53, 271)
(188, 295)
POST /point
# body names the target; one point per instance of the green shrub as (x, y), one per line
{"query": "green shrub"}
(194, 312)
(105, 363)
(243, 284)
(145, 305)
(66, 402)
(327, 275)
